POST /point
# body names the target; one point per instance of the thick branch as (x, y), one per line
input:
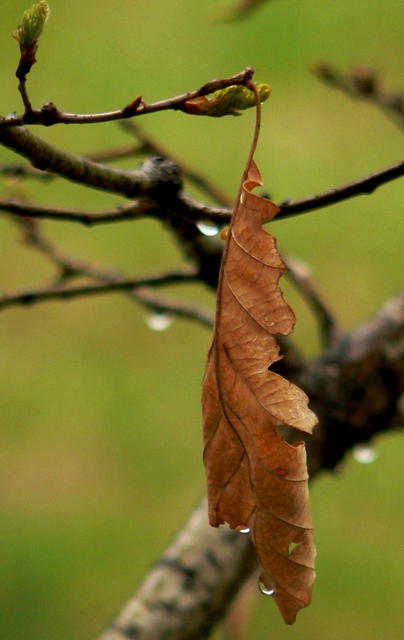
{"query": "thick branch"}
(158, 178)
(186, 592)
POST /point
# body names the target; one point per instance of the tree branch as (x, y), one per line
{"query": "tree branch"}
(133, 210)
(292, 207)
(61, 291)
(24, 171)
(72, 267)
(160, 305)
(49, 115)
(362, 186)
(363, 83)
(157, 178)
(189, 590)
(150, 146)
(299, 275)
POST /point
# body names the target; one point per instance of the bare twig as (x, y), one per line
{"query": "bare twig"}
(133, 210)
(22, 88)
(70, 267)
(121, 152)
(362, 186)
(363, 83)
(240, 9)
(300, 275)
(49, 114)
(64, 292)
(150, 146)
(24, 171)
(179, 309)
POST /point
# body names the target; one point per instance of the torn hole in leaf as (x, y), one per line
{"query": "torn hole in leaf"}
(292, 546)
(287, 435)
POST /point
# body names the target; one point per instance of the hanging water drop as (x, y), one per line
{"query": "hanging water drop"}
(208, 229)
(364, 453)
(265, 590)
(243, 529)
(159, 321)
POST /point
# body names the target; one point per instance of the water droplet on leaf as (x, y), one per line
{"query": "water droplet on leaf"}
(364, 454)
(159, 321)
(208, 229)
(265, 590)
(243, 529)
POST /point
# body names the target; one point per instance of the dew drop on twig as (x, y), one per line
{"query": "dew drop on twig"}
(364, 454)
(208, 229)
(159, 321)
(265, 590)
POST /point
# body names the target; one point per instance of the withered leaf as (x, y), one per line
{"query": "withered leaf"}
(256, 480)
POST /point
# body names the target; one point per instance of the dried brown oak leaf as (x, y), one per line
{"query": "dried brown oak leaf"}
(256, 480)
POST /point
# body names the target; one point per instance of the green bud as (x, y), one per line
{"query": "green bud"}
(229, 101)
(33, 22)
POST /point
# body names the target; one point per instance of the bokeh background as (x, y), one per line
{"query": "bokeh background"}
(100, 432)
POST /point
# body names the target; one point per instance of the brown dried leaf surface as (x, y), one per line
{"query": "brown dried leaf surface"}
(255, 479)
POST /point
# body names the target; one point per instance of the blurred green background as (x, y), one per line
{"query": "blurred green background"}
(100, 435)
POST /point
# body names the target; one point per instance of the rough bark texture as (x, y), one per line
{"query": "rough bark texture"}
(186, 592)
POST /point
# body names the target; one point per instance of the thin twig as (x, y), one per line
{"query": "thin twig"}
(179, 309)
(64, 292)
(300, 276)
(49, 115)
(362, 186)
(133, 210)
(22, 88)
(24, 171)
(69, 267)
(363, 83)
(150, 146)
(121, 152)
(292, 207)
